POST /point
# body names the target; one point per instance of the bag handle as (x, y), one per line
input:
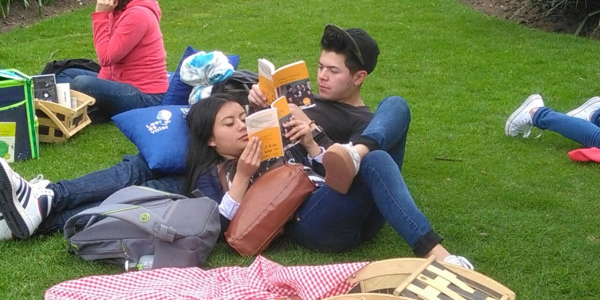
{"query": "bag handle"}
(137, 194)
(135, 215)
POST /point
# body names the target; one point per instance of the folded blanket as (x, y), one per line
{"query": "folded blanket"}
(585, 154)
(263, 279)
(203, 70)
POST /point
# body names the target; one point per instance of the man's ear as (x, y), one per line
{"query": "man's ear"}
(359, 77)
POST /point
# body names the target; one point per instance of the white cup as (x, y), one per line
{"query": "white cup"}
(64, 94)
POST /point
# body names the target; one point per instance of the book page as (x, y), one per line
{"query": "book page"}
(264, 124)
(284, 115)
(265, 79)
(292, 81)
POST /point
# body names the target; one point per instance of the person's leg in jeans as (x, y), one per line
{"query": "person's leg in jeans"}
(330, 221)
(138, 175)
(580, 124)
(67, 75)
(26, 205)
(112, 97)
(387, 131)
(584, 132)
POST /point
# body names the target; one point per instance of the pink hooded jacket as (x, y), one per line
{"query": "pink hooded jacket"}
(130, 47)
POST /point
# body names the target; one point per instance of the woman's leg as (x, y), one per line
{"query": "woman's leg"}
(579, 130)
(132, 173)
(114, 97)
(67, 75)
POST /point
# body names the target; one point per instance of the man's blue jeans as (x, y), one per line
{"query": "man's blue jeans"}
(579, 130)
(76, 195)
(112, 97)
(330, 221)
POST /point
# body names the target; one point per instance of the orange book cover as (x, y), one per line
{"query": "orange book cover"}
(290, 81)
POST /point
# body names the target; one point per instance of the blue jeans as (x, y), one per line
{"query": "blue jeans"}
(330, 221)
(76, 195)
(112, 97)
(579, 130)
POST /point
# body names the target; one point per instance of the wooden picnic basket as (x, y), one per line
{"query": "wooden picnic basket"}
(57, 123)
(419, 278)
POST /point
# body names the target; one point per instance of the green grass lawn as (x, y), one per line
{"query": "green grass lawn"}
(519, 209)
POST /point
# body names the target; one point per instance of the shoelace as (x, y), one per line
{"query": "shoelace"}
(37, 179)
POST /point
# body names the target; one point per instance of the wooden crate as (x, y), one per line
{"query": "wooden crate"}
(419, 278)
(58, 123)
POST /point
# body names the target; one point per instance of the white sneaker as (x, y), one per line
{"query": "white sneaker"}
(23, 205)
(5, 233)
(459, 261)
(586, 110)
(520, 121)
(341, 163)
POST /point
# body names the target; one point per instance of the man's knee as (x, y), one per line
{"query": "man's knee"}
(396, 104)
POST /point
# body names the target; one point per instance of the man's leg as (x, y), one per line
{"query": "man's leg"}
(332, 222)
(387, 131)
(113, 97)
(335, 222)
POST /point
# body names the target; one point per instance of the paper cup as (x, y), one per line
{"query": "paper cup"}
(64, 94)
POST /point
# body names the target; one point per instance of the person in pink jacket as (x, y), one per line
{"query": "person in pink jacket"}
(131, 53)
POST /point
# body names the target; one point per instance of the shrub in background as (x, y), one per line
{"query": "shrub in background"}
(5, 6)
(583, 9)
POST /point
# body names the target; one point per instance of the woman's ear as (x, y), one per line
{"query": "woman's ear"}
(211, 142)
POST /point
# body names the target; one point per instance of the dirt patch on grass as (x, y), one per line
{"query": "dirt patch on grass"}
(19, 16)
(523, 12)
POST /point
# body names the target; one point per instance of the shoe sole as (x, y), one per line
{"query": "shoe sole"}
(584, 106)
(12, 211)
(339, 169)
(516, 113)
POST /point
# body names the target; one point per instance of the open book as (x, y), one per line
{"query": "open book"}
(290, 81)
(267, 125)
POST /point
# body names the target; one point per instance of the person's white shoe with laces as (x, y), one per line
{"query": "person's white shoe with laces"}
(23, 204)
(520, 121)
(586, 110)
(5, 233)
(459, 261)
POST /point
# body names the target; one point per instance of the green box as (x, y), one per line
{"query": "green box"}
(17, 107)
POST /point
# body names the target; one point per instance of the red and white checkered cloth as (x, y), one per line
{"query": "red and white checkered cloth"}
(263, 279)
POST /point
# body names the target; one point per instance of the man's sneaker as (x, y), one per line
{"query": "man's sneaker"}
(23, 205)
(341, 164)
(5, 233)
(459, 261)
(520, 121)
(586, 110)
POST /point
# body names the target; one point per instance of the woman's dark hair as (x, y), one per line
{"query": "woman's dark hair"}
(200, 156)
(121, 5)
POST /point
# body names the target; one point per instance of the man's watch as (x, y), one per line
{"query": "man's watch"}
(315, 132)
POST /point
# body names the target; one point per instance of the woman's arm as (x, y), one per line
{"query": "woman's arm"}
(130, 29)
(247, 165)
